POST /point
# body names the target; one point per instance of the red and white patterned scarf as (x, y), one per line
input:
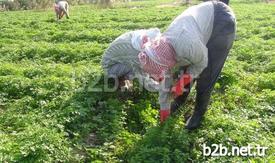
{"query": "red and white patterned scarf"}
(157, 57)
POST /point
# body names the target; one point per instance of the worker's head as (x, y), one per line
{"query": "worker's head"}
(157, 58)
(56, 7)
(121, 72)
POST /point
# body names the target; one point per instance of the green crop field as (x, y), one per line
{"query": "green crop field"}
(49, 113)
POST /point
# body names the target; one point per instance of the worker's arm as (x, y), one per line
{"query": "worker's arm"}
(165, 96)
(197, 55)
(164, 89)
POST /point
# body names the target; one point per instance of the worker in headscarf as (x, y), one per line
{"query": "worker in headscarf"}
(61, 8)
(197, 41)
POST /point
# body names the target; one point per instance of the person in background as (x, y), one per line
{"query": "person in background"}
(61, 8)
(197, 42)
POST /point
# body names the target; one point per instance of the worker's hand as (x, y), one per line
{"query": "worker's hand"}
(164, 114)
(178, 88)
(124, 84)
(127, 86)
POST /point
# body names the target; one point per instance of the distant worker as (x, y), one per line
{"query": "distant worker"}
(197, 41)
(61, 8)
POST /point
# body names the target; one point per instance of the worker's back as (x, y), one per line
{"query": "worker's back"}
(63, 4)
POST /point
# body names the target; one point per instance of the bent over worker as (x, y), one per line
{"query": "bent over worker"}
(197, 41)
(61, 8)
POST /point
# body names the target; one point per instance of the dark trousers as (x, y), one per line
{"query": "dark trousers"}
(219, 44)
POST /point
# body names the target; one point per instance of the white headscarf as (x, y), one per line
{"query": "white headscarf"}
(138, 37)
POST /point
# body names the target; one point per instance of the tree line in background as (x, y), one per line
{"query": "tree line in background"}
(42, 4)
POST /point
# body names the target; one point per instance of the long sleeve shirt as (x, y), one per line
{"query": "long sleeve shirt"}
(189, 34)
